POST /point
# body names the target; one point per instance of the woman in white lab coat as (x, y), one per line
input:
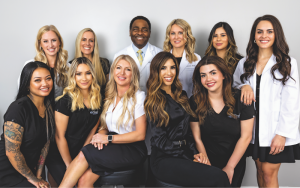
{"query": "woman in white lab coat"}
(181, 43)
(222, 43)
(272, 76)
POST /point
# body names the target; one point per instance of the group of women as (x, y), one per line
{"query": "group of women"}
(237, 107)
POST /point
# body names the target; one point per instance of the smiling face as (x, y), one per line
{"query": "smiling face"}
(177, 38)
(83, 77)
(123, 73)
(220, 39)
(50, 43)
(264, 35)
(140, 33)
(41, 83)
(87, 43)
(167, 74)
(211, 78)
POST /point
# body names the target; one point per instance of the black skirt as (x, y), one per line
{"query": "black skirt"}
(288, 155)
(115, 157)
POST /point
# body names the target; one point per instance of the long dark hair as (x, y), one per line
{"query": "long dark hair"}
(200, 93)
(280, 50)
(26, 75)
(232, 56)
(155, 101)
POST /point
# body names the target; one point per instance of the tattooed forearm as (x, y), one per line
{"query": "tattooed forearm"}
(13, 134)
(42, 159)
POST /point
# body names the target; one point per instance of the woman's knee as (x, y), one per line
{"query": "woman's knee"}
(80, 157)
(270, 172)
(83, 180)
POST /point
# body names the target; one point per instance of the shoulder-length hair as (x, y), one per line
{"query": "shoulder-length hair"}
(24, 90)
(111, 93)
(61, 68)
(95, 55)
(155, 101)
(280, 50)
(73, 89)
(232, 56)
(200, 93)
(187, 33)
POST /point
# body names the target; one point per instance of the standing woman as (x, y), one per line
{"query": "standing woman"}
(168, 113)
(87, 46)
(272, 74)
(221, 43)
(27, 130)
(119, 143)
(49, 50)
(223, 127)
(181, 43)
(77, 114)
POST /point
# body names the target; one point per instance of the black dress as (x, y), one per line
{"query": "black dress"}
(220, 133)
(288, 155)
(24, 113)
(171, 160)
(80, 123)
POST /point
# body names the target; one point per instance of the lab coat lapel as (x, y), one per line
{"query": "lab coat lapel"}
(183, 64)
(132, 54)
(148, 56)
(270, 63)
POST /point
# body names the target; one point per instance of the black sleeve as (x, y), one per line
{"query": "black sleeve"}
(105, 65)
(161, 141)
(193, 106)
(245, 112)
(63, 105)
(16, 113)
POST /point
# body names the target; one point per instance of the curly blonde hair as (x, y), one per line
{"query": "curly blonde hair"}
(129, 97)
(61, 68)
(74, 91)
(95, 54)
(187, 33)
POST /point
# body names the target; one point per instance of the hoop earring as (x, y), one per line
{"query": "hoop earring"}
(254, 41)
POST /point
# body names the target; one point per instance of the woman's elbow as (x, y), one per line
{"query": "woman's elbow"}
(141, 137)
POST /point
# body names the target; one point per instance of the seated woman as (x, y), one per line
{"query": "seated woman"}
(222, 43)
(86, 45)
(119, 143)
(223, 127)
(27, 130)
(77, 114)
(168, 113)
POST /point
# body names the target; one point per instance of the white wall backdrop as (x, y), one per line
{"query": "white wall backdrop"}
(20, 21)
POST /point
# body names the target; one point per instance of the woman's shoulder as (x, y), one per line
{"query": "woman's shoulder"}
(18, 110)
(22, 102)
(140, 97)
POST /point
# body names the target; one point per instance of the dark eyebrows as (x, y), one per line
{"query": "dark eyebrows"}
(209, 71)
(267, 29)
(41, 77)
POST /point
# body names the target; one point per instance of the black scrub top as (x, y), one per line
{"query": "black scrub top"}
(165, 138)
(24, 113)
(220, 132)
(81, 122)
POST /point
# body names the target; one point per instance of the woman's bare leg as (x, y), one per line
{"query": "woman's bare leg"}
(259, 174)
(78, 166)
(88, 179)
(51, 180)
(270, 174)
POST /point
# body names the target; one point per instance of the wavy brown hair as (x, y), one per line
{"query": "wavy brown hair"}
(187, 33)
(232, 56)
(280, 50)
(200, 93)
(155, 101)
(61, 68)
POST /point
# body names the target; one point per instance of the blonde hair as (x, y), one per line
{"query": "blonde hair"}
(95, 55)
(61, 68)
(74, 91)
(129, 97)
(188, 36)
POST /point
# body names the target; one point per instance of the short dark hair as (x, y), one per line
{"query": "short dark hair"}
(140, 18)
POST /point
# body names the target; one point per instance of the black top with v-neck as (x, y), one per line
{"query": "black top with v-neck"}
(80, 123)
(220, 132)
(24, 113)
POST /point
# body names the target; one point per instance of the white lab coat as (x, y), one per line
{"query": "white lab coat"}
(279, 104)
(186, 71)
(145, 68)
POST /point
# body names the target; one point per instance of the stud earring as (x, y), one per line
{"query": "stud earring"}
(254, 41)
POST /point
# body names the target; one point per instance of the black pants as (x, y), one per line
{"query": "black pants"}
(184, 172)
(57, 171)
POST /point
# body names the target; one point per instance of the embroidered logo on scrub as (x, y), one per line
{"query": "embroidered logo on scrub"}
(95, 112)
(237, 116)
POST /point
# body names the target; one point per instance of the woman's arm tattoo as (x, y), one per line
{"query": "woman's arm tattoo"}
(13, 134)
(42, 159)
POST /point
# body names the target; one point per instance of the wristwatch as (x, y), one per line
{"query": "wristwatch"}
(110, 138)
